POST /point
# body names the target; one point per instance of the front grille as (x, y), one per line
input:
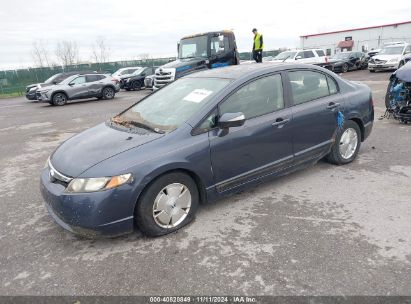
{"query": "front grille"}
(379, 61)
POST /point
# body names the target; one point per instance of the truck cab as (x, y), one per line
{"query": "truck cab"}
(199, 52)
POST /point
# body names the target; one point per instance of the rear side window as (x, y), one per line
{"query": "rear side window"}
(92, 78)
(309, 85)
(308, 54)
(320, 53)
(262, 96)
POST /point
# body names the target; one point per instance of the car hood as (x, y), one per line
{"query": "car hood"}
(385, 57)
(185, 64)
(93, 146)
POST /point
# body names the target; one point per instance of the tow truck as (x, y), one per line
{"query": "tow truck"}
(199, 52)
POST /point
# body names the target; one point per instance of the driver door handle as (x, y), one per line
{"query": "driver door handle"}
(333, 105)
(279, 122)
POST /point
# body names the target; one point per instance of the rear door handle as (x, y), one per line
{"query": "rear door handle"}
(333, 105)
(279, 122)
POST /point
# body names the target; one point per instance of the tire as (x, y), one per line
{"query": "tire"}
(372, 71)
(344, 68)
(336, 155)
(108, 93)
(387, 95)
(400, 64)
(158, 222)
(136, 85)
(59, 99)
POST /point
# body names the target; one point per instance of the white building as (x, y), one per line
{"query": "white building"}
(359, 39)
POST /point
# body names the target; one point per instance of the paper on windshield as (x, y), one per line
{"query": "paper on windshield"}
(198, 95)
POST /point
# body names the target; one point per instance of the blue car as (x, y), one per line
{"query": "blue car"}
(200, 138)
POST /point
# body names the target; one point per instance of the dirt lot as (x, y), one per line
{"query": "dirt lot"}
(325, 230)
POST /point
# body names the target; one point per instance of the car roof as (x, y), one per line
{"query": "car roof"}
(236, 72)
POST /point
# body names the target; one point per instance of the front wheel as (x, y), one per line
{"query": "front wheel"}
(345, 68)
(136, 85)
(401, 64)
(347, 144)
(59, 99)
(169, 203)
(108, 93)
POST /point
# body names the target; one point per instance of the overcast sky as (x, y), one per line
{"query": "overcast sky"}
(133, 27)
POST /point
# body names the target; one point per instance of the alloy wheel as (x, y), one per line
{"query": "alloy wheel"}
(108, 93)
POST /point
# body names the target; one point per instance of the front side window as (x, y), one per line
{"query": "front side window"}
(174, 104)
(79, 80)
(308, 85)
(262, 96)
(320, 53)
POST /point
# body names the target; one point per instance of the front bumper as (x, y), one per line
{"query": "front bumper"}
(382, 66)
(31, 95)
(102, 213)
(43, 97)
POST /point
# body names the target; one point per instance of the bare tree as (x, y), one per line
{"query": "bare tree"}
(100, 51)
(40, 54)
(67, 53)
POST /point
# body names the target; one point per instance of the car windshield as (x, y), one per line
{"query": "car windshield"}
(397, 50)
(341, 56)
(138, 72)
(193, 47)
(53, 78)
(285, 55)
(171, 106)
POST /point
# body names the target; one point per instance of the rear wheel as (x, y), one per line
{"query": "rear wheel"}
(372, 71)
(346, 145)
(59, 99)
(168, 204)
(108, 93)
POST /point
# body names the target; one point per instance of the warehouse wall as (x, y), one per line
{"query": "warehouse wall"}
(367, 39)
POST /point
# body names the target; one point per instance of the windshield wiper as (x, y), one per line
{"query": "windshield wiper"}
(138, 124)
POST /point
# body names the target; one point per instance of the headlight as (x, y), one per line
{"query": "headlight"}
(98, 183)
(394, 60)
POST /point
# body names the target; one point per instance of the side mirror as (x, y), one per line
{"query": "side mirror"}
(71, 84)
(298, 57)
(230, 120)
(55, 82)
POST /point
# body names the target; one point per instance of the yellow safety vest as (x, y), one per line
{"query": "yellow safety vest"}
(257, 44)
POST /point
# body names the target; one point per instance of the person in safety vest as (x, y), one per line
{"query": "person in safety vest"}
(258, 46)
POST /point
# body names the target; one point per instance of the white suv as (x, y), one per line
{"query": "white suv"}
(311, 56)
(389, 58)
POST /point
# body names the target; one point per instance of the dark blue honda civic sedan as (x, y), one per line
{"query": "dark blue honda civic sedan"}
(199, 138)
